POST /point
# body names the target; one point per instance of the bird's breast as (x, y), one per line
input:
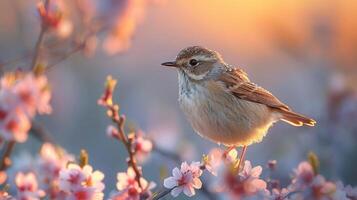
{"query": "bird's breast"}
(219, 116)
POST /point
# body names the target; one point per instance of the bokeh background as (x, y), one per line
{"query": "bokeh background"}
(303, 51)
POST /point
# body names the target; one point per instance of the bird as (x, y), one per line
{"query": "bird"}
(222, 104)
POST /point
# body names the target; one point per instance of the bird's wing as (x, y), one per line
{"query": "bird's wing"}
(237, 82)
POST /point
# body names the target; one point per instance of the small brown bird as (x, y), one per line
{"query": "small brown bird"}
(222, 104)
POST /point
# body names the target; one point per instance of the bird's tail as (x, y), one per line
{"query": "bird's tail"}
(296, 119)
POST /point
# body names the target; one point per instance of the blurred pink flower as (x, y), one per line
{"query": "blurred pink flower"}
(112, 131)
(34, 94)
(5, 196)
(128, 186)
(272, 164)
(280, 194)
(141, 146)
(21, 96)
(56, 17)
(27, 187)
(81, 183)
(318, 189)
(351, 192)
(310, 186)
(184, 180)
(304, 176)
(3, 177)
(231, 156)
(15, 126)
(213, 161)
(217, 159)
(50, 162)
(246, 183)
(125, 24)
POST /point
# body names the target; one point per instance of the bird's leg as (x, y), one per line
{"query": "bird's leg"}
(226, 152)
(241, 158)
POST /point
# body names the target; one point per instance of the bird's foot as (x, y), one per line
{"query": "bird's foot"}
(241, 159)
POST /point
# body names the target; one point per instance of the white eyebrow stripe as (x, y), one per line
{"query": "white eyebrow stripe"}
(202, 58)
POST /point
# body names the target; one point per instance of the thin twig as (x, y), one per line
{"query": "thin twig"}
(162, 194)
(65, 56)
(5, 160)
(167, 154)
(120, 122)
(40, 39)
(39, 132)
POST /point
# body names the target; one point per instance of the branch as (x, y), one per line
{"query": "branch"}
(122, 137)
(40, 133)
(162, 194)
(174, 157)
(40, 39)
(5, 160)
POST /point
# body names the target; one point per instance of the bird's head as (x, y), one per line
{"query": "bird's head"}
(196, 62)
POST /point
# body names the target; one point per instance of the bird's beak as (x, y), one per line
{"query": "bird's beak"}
(169, 64)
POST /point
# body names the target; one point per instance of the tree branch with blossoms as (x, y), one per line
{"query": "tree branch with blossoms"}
(119, 120)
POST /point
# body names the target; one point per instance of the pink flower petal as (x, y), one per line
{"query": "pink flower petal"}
(189, 191)
(176, 191)
(170, 182)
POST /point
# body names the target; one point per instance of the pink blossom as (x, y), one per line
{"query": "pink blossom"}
(3, 177)
(81, 183)
(319, 188)
(21, 97)
(141, 146)
(184, 180)
(304, 175)
(280, 194)
(112, 131)
(129, 188)
(107, 97)
(310, 186)
(56, 17)
(50, 162)
(33, 94)
(217, 158)
(120, 36)
(213, 160)
(5, 196)
(272, 164)
(351, 192)
(246, 183)
(15, 126)
(27, 187)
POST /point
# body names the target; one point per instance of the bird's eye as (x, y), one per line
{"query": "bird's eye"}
(193, 62)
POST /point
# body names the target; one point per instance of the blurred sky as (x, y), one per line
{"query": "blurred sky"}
(294, 48)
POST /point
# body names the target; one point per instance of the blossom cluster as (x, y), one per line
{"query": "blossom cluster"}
(22, 95)
(55, 175)
(247, 183)
(81, 182)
